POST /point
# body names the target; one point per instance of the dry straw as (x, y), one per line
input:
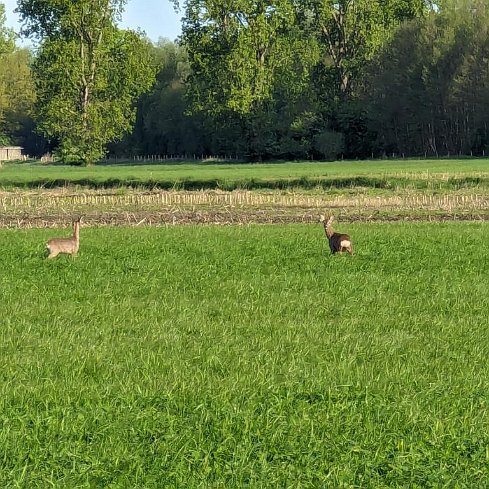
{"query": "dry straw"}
(9, 202)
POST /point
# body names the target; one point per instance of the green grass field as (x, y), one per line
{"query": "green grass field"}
(377, 174)
(226, 357)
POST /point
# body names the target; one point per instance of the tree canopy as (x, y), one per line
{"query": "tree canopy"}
(258, 79)
(88, 73)
(14, 77)
(6, 34)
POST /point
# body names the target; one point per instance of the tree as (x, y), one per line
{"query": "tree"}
(352, 31)
(240, 51)
(88, 73)
(162, 123)
(18, 95)
(7, 36)
(428, 91)
(7, 45)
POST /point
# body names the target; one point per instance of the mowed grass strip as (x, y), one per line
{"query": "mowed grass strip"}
(392, 174)
(246, 357)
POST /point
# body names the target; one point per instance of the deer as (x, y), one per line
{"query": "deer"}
(69, 246)
(338, 242)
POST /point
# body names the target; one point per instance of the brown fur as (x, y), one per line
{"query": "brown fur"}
(70, 245)
(338, 242)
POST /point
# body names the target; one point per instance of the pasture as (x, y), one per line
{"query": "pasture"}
(205, 356)
(378, 175)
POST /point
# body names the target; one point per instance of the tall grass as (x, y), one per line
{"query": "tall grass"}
(246, 357)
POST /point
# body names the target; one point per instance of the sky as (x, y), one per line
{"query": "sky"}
(155, 17)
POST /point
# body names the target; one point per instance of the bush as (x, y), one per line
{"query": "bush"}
(329, 144)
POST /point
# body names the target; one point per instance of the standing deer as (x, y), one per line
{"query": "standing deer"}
(69, 245)
(338, 242)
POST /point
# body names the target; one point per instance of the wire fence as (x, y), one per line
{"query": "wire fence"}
(169, 158)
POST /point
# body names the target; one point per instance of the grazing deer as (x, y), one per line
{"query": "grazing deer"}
(338, 242)
(69, 245)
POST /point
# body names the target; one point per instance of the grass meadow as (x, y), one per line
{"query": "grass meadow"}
(450, 174)
(246, 356)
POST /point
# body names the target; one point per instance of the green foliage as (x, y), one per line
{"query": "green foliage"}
(54, 19)
(89, 74)
(441, 60)
(241, 53)
(6, 48)
(246, 357)
(163, 125)
(329, 144)
(17, 98)
(268, 64)
(353, 31)
(7, 36)
(260, 80)
(235, 50)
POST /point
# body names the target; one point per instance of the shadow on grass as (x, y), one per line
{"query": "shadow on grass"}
(305, 183)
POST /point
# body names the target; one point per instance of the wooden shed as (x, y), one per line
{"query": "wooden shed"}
(10, 153)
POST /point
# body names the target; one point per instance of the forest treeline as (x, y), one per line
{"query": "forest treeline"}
(315, 79)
